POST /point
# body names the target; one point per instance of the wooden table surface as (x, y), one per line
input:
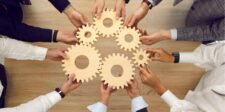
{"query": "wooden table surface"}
(29, 79)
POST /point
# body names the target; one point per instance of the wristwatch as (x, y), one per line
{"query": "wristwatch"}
(148, 3)
(176, 57)
(60, 92)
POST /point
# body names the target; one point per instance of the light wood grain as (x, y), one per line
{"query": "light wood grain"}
(29, 79)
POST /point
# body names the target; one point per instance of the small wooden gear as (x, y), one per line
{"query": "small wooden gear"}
(84, 74)
(126, 76)
(128, 45)
(113, 29)
(141, 57)
(87, 34)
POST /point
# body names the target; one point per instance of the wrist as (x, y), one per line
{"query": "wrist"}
(64, 89)
(144, 6)
(68, 10)
(165, 34)
(171, 59)
(105, 100)
(160, 89)
(59, 36)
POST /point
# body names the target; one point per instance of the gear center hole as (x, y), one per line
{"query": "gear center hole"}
(117, 71)
(141, 57)
(107, 22)
(129, 38)
(87, 34)
(81, 62)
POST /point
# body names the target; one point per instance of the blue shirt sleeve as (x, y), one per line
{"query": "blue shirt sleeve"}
(24, 32)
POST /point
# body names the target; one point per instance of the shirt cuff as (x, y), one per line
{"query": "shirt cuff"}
(54, 97)
(154, 2)
(40, 53)
(186, 57)
(138, 103)
(97, 107)
(173, 34)
(169, 98)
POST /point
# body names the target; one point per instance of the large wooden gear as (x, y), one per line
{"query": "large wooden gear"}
(87, 73)
(126, 76)
(108, 31)
(87, 34)
(141, 57)
(128, 45)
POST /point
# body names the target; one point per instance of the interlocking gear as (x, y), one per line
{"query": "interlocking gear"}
(104, 30)
(128, 45)
(126, 76)
(87, 34)
(141, 57)
(84, 74)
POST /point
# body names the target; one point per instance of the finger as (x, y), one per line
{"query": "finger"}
(63, 55)
(132, 22)
(83, 20)
(99, 12)
(94, 11)
(128, 20)
(118, 14)
(123, 13)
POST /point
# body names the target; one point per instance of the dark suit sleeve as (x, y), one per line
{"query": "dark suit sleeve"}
(213, 31)
(60, 5)
(24, 32)
(143, 110)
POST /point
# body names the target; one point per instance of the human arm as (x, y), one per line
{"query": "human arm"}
(138, 103)
(101, 106)
(205, 56)
(176, 105)
(45, 102)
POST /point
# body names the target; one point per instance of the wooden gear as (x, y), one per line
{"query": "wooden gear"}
(121, 39)
(104, 30)
(87, 73)
(144, 57)
(126, 76)
(82, 34)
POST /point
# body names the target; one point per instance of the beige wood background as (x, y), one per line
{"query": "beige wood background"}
(29, 79)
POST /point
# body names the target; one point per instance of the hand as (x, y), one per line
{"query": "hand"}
(137, 15)
(67, 37)
(155, 37)
(159, 54)
(150, 79)
(120, 9)
(133, 90)
(98, 8)
(70, 85)
(75, 17)
(106, 92)
(56, 54)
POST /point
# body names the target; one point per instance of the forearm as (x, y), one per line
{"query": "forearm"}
(214, 31)
(39, 104)
(19, 50)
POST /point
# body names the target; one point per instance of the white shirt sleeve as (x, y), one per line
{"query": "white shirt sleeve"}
(177, 105)
(138, 103)
(97, 107)
(205, 56)
(19, 50)
(173, 34)
(39, 104)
